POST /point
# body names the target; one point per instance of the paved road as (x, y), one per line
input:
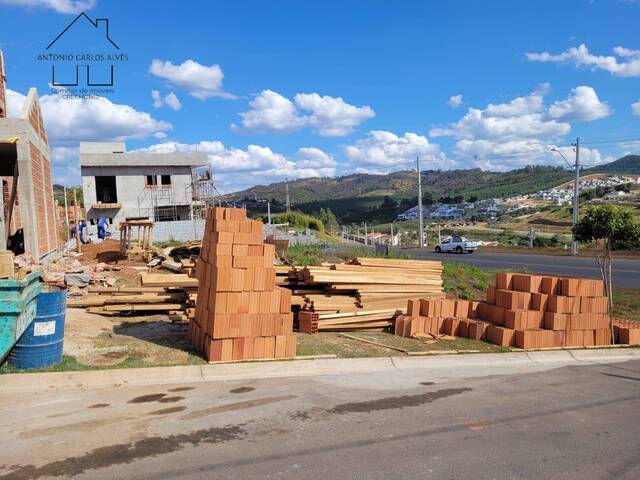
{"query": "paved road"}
(573, 422)
(626, 272)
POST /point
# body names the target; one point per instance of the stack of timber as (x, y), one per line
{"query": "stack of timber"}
(172, 294)
(366, 293)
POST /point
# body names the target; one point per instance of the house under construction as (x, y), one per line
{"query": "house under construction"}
(163, 187)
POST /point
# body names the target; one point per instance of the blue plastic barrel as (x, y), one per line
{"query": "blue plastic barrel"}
(41, 344)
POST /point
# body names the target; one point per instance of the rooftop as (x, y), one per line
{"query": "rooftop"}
(114, 154)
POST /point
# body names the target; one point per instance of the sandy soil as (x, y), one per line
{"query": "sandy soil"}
(98, 340)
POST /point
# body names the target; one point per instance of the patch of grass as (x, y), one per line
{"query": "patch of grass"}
(332, 343)
(69, 363)
(626, 303)
(467, 281)
(304, 255)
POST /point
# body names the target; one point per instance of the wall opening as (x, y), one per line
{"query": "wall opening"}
(165, 179)
(106, 189)
(151, 180)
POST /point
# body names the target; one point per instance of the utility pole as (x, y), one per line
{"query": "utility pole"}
(576, 196)
(286, 189)
(365, 233)
(420, 219)
(269, 211)
(66, 215)
(531, 235)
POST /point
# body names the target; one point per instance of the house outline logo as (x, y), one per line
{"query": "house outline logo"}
(83, 62)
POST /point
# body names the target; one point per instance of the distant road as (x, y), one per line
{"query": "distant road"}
(626, 272)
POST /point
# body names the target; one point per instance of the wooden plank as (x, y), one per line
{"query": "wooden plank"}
(168, 280)
(142, 308)
(371, 342)
(96, 289)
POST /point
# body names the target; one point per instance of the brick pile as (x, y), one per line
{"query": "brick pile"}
(626, 332)
(241, 314)
(526, 311)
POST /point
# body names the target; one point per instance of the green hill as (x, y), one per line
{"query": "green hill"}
(350, 196)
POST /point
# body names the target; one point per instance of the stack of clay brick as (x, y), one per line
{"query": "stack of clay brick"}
(626, 332)
(527, 311)
(240, 313)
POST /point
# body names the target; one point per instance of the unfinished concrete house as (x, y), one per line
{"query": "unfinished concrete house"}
(25, 169)
(159, 186)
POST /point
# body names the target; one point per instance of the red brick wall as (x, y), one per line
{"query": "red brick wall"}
(16, 219)
(52, 219)
(39, 197)
(35, 118)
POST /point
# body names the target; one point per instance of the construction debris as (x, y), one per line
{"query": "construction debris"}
(525, 311)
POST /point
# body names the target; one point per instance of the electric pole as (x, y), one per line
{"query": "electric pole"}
(576, 196)
(286, 189)
(420, 219)
(269, 211)
(66, 215)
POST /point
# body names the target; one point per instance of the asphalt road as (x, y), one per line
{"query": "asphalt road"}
(626, 272)
(572, 422)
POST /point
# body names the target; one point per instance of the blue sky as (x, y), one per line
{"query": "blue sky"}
(296, 89)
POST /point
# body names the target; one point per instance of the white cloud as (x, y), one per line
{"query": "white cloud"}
(582, 104)
(271, 113)
(236, 168)
(70, 121)
(60, 6)
(330, 116)
(382, 149)
(170, 100)
(626, 64)
(200, 81)
(522, 131)
(455, 101)
(635, 108)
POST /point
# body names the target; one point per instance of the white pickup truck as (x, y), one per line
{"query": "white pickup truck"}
(456, 244)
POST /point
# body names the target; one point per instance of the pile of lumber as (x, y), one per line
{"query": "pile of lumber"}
(175, 301)
(240, 314)
(525, 311)
(366, 293)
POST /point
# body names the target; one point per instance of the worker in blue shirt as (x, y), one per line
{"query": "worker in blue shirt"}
(102, 228)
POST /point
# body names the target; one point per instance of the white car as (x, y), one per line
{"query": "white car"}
(456, 244)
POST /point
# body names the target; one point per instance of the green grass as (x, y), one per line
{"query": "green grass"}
(467, 281)
(626, 303)
(69, 363)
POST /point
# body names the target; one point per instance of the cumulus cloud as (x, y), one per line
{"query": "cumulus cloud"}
(455, 101)
(170, 100)
(60, 6)
(271, 112)
(237, 168)
(582, 104)
(522, 131)
(332, 116)
(635, 108)
(70, 121)
(386, 150)
(625, 62)
(200, 81)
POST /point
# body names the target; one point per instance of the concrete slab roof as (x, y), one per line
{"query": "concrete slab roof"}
(143, 159)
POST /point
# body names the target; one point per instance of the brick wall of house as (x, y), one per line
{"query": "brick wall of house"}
(35, 118)
(52, 219)
(37, 176)
(16, 219)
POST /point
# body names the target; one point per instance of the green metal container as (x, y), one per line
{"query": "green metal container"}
(17, 309)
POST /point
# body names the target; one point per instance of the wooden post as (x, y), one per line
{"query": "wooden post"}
(75, 218)
(66, 215)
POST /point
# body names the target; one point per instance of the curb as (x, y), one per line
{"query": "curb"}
(24, 382)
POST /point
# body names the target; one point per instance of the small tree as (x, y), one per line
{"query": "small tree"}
(601, 228)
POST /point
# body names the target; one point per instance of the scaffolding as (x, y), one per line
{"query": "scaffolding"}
(156, 202)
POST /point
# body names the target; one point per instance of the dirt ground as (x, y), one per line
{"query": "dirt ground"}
(108, 252)
(97, 340)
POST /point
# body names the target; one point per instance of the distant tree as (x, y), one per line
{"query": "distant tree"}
(458, 199)
(472, 199)
(600, 228)
(427, 198)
